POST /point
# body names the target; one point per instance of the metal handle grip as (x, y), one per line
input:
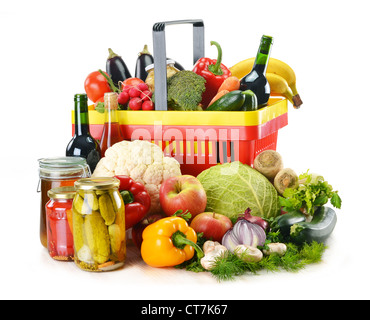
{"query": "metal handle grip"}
(160, 57)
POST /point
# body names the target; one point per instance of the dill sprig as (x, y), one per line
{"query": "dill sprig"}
(226, 267)
(296, 258)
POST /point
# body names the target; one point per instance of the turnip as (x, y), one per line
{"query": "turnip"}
(286, 178)
(269, 163)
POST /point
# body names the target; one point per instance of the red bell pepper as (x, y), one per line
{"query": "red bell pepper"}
(214, 72)
(136, 198)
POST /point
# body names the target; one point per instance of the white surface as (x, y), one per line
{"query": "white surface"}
(48, 49)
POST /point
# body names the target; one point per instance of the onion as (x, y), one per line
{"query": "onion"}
(254, 219)
(244, 233)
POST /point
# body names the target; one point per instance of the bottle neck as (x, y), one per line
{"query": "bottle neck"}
(263, 55)
(81, 118)
(111, 115)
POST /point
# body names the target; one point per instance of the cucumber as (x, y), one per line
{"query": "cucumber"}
(319, 229)
(232, 101)
(250, 102)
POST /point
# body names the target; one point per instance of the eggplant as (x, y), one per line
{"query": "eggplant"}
(177, 65)
(145, 59)
(116, 68)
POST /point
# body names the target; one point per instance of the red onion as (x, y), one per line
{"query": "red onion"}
(257, 220)
(244, 232)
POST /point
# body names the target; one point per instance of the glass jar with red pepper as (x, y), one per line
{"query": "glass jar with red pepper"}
(54, 173)
(59, 223)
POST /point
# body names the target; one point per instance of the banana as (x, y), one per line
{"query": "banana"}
(279, 86)
(276, 67)
(242, 68)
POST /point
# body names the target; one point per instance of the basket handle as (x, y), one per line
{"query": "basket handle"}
(160, 57)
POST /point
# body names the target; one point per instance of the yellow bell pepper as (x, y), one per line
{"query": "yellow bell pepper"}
(169, 242)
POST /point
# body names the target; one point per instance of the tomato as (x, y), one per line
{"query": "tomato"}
(131, 82)
(96, 85)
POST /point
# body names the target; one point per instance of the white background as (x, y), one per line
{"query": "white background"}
(49, 47)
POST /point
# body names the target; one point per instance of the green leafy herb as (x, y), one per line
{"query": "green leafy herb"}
(227, 267)
(100, 107)
(313, 191)
(185, 215)
(296, 258)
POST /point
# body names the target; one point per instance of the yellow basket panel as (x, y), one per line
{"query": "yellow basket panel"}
(276, 107)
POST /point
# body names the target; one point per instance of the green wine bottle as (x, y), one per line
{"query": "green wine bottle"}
(256, 79)
(83, 144)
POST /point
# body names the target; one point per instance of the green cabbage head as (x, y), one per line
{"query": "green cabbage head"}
(233, 187)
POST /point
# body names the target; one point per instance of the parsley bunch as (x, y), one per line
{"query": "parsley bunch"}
(313, 191)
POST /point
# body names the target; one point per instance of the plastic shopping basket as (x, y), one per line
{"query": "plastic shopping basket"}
(198, 139)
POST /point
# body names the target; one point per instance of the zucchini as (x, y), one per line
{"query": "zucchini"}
(319, 229)
(285, 221)
(232, 101)
(250, 103)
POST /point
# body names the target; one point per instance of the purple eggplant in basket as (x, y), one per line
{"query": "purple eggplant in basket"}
(145, 59)
(116, 68)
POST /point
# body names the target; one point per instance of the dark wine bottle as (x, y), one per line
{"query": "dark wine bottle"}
(256, 79)
(82, 143)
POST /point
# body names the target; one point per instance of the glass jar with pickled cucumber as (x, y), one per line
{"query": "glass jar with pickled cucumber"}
(99, 233)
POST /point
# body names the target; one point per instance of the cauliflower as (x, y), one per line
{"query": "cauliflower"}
(143, 161)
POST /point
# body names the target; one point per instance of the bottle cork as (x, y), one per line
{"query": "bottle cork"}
(111, 100)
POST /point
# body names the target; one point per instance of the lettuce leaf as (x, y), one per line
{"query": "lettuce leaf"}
(312, 192)
(233, 187)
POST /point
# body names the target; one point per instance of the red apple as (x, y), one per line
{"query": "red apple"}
(182, 193)
(213, 225)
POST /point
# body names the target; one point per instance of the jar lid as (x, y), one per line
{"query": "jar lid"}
(62, 193)
(99, 183)
(63, 167)
(151, 66)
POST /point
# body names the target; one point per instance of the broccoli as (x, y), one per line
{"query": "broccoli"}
(184, 91)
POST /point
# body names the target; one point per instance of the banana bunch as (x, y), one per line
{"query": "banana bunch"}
(280, 76)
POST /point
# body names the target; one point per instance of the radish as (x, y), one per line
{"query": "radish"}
(135, 103)
(146, 95)
(134, 92)
(148, 105)
(123, 97)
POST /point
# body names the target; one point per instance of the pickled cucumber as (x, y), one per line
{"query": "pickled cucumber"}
(120, 221)
(92, 200)
(78, 230)
(115, 238)
(84, 254)
(106, 209)
(113, 195)
(84, 203)
(78, 204)
(97, 237)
